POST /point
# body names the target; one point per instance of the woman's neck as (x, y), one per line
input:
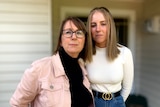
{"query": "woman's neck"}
(101, 45)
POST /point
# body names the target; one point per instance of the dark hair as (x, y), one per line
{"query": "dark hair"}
(86, 53)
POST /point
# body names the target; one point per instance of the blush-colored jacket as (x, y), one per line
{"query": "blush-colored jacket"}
(45, 84)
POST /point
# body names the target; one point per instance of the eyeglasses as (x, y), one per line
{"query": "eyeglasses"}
(69, 33)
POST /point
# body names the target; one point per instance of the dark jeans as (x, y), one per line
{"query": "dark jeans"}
(115, 102)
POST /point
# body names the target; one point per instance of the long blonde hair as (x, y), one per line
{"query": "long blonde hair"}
(112, 45)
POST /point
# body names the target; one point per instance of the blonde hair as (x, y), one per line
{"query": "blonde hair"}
(112, 46)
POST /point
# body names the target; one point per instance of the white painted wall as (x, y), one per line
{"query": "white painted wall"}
(25, 35)
(150, 57)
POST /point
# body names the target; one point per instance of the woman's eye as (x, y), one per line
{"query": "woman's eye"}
(79, 32)
(93, 25)
(68, 32)
(103, 24)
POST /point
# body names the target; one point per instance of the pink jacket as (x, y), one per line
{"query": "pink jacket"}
(45, 84)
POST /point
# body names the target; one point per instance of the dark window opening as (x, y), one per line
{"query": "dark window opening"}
(122, 30)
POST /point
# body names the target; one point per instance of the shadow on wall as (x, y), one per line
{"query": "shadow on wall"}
(136, 101)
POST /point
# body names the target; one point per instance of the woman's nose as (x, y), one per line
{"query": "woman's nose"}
(74, 35)
(98, 28)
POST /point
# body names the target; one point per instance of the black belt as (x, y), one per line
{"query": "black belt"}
(106, 96)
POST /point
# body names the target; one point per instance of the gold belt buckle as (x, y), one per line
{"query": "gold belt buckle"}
(107, 96)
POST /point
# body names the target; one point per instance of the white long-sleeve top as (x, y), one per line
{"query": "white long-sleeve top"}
(111, 76)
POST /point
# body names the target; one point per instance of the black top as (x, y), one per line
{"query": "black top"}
(80, 96)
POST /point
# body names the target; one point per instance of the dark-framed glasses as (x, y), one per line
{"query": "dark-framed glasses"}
(69, 33)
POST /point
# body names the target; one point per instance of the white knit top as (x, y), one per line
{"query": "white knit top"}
(111, 76)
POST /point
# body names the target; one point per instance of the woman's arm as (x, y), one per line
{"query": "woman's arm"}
(128, 74)
(26, 89)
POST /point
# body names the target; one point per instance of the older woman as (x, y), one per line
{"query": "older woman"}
(59, 80)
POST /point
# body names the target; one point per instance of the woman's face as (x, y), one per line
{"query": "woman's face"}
(72, 45)
(99, 29)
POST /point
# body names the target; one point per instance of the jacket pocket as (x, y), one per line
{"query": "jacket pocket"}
(52, 93)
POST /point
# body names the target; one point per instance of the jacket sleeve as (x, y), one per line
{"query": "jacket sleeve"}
(26, 89)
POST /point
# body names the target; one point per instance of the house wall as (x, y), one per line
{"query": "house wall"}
(25, 35)
(150, 57)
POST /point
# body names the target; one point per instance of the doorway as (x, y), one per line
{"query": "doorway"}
(122, 30)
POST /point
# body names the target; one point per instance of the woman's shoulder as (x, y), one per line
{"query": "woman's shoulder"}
(42, 60)
(124, 50)
(45, 60)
